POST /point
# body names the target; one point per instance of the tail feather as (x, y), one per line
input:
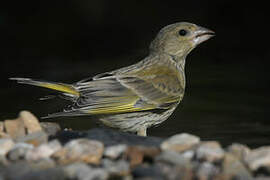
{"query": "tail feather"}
(65, 88)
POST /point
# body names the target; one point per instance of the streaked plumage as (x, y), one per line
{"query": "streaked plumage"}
(139, 96)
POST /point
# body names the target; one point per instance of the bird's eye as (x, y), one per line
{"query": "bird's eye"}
(182, 32)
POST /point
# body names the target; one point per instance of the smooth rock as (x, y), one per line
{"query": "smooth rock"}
(210, 151)
(176, 172)
(43, 151)
(114, 152)
(232, 168)
(1, 126)
(148, 172)
(19, 151)
(240, 151)
(4, 135)
(82, 171)
(6, 144)
(206, 170)
(15, 128)
(259, 157)
(23, 170)
(136, 154)
(173, 158)
(116, 168)
(88, 151)
(50, 128)
(35, 138)
(111, 137)
(31, 123)
(180, 142)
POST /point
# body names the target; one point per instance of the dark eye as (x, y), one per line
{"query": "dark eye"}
(182, 32)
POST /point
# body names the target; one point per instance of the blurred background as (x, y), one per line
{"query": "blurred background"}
(227, 95)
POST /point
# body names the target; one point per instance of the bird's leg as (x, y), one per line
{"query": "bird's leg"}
(142, 131)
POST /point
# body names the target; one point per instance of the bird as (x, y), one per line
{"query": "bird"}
(139, 96)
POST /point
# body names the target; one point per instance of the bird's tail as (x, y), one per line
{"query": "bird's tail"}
(64, 88)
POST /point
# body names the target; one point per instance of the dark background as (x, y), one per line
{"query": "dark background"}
(227, 95)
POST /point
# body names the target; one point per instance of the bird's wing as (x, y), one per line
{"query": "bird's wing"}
(150, 88)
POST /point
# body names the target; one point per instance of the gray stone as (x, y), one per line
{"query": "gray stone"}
(147, 172)
(23, 170)
(114, 152)
(82, 171)
(5, 145)
(240, 151)
(206, 170)
(31, 123)
(19, 151)
(44, 151)
(118, 168)
(50, 128)
(175, 172)
(35, 138)
(173, 158)
(210, 151)
(89, 151)
(234, 169)
(259, 157)
(180, 142)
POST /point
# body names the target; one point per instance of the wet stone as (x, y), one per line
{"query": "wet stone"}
(114, 152)
(30, 122)
(43, 151)
(81, 171)
(50, 128)
(6, 144)
(88, 151)
(35, 138)
(180, 142)
(210, 151)
(259, 157)
(19, 151)
(147, 172)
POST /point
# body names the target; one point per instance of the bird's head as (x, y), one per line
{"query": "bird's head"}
(180, 38)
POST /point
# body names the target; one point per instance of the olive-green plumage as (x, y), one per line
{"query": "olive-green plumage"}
(139, 96)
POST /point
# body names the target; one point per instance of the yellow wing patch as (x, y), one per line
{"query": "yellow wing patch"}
(60, 87)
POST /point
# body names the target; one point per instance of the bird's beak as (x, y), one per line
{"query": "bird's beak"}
(202, 34)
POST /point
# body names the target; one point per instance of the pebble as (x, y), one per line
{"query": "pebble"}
(240, 151)
(173, 158)
(19, 151)
(115, 151)
(116, 168)
(259, 157)
(81, 171)
(43, 151)
(50, 128)
(30, 122)
(136, 154)
(88, 151)
(15, 128)
(5, 145)
(234, 169)
(35, 138)
(180, 142)
(210, 151)
(206, 170)
(1, 126)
